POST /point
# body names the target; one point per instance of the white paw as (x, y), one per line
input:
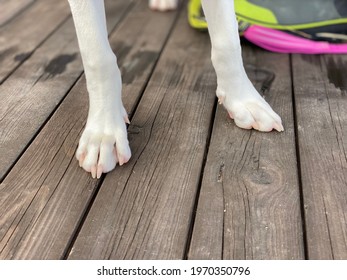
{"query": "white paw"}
(163, 5)
(249, 109)
(103, 144)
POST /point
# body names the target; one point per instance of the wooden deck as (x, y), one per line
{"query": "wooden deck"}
(196, 187)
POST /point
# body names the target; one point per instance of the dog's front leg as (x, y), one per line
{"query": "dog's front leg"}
(234, 89)
(104, 140)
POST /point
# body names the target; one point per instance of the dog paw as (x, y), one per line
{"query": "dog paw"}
(249, 110)
(163, 5)
(103, 144)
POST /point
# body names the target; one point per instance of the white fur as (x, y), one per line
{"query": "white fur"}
(163, 5)
(234, 89)
(104, 141)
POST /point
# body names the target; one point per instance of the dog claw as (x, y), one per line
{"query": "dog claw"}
(278, 127)
(81, 159)
(93, 171)
(121, 160)
(99, 171)
(255, 126)
(126, 119)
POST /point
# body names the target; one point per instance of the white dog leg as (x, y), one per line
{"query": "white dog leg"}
(104, 141)
(234, 89)
(163, 5)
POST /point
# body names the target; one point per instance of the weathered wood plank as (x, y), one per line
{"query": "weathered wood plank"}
(10, 9)
(45, 195)
(320, 84)
(27, 194)
(249, 205)
(144, 209)
(32, 92)
(22, 36)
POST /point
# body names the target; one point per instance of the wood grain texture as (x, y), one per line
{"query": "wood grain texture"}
(21, 37)
(143, 209)
(10, 8)
(46, 194)
(320, 86)
(249, 205)
(32, 92)
(35, 195)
